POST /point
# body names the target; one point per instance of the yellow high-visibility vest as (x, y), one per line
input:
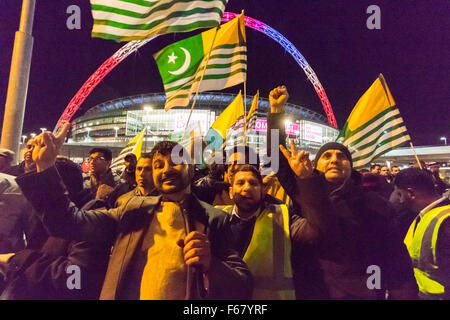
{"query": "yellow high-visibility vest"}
(421, 241)
(268, 255)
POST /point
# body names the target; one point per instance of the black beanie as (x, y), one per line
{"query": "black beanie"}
(333, 146)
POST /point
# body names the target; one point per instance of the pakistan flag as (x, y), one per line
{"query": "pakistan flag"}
(181, 64)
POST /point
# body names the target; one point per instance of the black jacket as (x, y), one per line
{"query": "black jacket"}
(340, 234)
(125, 226)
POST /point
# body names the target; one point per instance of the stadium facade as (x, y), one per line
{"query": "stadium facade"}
(113, 123)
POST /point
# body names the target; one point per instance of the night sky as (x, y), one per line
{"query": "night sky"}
(411, 50)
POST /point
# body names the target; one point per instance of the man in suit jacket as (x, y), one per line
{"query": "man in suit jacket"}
(165, 247)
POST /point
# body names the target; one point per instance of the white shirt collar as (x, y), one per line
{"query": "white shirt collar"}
(255, 214)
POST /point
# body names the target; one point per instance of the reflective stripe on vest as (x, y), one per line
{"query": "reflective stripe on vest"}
(268, 255)
(421, 244)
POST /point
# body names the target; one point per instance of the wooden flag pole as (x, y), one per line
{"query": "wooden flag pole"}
(201, 79)
(415, 154)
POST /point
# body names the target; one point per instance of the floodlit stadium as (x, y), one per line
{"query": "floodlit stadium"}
(113, 123)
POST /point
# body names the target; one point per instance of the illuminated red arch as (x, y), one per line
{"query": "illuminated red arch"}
(132, 46)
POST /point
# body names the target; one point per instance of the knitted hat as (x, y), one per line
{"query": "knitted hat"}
(333, 146)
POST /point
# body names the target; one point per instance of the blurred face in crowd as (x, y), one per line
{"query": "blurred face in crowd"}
(99, 165)
(143, 174)
(400, 197)
(28, 154)
(335, 165)
(168, 177)
(376, 169)
(4, 163)
(384, 171)
(395, 170)
(434, 168)
(246, 191)
(130, 164)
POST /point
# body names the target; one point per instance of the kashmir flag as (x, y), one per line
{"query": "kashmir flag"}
(126, 20)
(375, 126)
(253, 112)
(181, 64)
(231, 117)
(134, 146)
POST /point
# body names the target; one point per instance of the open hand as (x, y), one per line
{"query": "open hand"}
(278, 98)
(298, 161)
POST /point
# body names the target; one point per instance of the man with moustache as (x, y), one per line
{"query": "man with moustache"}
(165, 247)
(348, 230)
(260, 233)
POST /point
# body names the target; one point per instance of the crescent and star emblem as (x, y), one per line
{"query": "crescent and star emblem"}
(186, 64)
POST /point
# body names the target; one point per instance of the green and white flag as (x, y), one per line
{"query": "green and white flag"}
(126, 20)
(375, 126)
(181, 64)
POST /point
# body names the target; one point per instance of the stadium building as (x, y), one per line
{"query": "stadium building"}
(113, 123)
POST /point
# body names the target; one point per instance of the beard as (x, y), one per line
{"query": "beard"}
(246, 204)
(174, 183)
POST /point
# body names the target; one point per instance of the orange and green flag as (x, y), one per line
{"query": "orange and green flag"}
(375, 126)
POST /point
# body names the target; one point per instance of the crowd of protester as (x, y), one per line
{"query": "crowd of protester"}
(315, 229)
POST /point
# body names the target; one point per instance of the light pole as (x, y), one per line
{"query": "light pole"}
(445, 140)
(147, 110)
(33, 135)
(18, 79)
(88, 130)
(23, 140)
(43, 129)
(117, 129)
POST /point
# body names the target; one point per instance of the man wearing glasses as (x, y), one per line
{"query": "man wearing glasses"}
(100, 173)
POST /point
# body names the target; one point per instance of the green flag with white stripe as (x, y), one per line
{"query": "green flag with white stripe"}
(126, 20)
(375, 126)
(182, 64)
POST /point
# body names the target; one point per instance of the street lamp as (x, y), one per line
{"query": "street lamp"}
(23, 139)
(88, 130)
(116, 128)
(33, 135)
(43, 129)
(445, 140)
(147, 110)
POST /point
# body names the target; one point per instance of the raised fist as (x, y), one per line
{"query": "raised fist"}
(278, 98)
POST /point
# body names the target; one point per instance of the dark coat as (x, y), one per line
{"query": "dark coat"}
(41, 273)
(339, 234)
(124, 227)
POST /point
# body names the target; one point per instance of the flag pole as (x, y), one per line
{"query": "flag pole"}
(415, 155)
(245, 113)
(201, 79)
